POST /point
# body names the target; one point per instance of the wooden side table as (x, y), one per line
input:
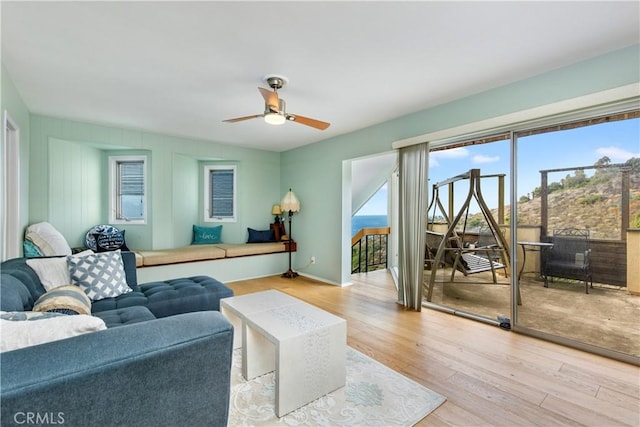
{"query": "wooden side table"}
(278, 230)
(292, 244)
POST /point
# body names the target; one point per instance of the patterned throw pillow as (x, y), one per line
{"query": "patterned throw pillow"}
(99, 275)
(110, 241)
(69, 299)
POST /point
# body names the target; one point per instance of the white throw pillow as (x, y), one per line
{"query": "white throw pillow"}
(47, 239)
(24, 329)
(53, 272)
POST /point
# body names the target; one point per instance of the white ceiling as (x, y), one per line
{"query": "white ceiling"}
(180, 68)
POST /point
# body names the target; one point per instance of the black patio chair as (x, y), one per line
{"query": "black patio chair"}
(569, 257)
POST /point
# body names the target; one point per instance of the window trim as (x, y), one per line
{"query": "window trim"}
(207, 193)
(113, 183)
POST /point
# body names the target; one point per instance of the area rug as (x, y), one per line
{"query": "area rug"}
(374, 395)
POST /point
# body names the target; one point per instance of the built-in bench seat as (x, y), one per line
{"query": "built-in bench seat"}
(178, 255)
(147, 258)
(227, 262)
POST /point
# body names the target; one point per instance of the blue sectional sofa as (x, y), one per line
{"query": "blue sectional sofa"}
(164, 359)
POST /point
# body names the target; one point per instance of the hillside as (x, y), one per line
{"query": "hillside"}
(582, 202)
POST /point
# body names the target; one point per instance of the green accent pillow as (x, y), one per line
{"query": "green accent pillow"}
(30, 250)
(206, 235)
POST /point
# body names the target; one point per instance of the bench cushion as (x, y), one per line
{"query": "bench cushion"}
(244, 249)
(183, 254)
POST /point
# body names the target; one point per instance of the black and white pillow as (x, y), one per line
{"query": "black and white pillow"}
(99, 275)
(110, 241)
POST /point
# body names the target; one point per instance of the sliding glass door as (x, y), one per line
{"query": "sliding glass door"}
(467, 254)
(578, 201)
(563, 264)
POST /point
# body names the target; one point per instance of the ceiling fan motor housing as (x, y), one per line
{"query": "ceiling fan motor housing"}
(275, 82)
(281, 107)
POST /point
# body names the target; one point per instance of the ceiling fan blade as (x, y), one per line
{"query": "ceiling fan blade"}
(308, 121)
(239, 119)
(270, 98)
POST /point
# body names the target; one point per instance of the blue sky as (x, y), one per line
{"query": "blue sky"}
(571, 148)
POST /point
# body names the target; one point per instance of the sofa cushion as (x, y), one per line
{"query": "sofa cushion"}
(24, 329)
(100, 275)
(68, 299)
(49, 240)
(184, 295)
(125, 316)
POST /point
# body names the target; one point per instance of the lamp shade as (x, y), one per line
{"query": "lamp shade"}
(275, 210)
(290, 202)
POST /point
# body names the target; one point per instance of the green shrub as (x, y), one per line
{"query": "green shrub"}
(591, 199)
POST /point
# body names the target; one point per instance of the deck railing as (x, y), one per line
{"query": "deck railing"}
(369, 249)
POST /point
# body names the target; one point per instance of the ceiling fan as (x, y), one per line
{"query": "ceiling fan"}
(275, 108)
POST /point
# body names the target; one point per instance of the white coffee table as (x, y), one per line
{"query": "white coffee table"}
(236, 308)
(304, 344)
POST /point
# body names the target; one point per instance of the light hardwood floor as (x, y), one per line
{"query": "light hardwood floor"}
(489, 376)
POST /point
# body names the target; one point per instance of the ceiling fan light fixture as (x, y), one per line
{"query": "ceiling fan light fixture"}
(274, 118)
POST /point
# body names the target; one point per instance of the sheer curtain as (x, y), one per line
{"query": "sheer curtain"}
(413, 168)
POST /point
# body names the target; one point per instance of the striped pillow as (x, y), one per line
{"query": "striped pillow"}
(69, 299)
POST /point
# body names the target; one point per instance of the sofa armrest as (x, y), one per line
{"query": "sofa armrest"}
(14, 294)
(169, 371)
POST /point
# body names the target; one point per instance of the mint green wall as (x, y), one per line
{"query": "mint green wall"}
(175, 186)
(315, 172)
(12, 103)
(75, 188)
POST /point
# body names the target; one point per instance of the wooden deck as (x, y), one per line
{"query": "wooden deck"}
(490, 377)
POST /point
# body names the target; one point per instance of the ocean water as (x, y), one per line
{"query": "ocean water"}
(359, 222)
